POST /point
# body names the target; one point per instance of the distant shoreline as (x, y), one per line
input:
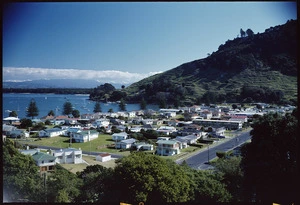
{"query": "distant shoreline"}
(75, 91)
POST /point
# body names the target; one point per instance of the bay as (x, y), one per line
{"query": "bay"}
(46, 102)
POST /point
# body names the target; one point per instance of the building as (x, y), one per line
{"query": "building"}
(166, 130)
(53, 132)
(167, 147)
(142, 146)
(44, 161)
(125, 144)
(103, 157)
(85, 136)
(68, 156)
(119, 136)
(231, 125)
(102, 123)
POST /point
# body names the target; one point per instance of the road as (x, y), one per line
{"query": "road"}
(200, 159)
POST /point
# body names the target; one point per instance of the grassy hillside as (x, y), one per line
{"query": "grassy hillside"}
(265, 62)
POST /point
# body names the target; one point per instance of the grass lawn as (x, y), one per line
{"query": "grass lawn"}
(91, 160)
(96, 145)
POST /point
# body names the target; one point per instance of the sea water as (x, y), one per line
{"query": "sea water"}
(19, 102)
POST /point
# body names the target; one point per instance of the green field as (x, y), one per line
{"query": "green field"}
(96, 145)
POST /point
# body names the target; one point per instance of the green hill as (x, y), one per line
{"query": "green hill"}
(257, 68)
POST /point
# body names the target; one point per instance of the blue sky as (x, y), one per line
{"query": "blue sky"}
(123, 41)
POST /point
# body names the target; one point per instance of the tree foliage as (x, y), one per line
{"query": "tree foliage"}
(21, 179)
(249, 32)
(51, 113)
(97, 107)
(13, 114)
(143, 104)
(242, 32)
(25, 123)
(32, 110)
(76, 113)
(63, 186)
(67, 108)
(269, 161)
(122, 105)
(98, 184)
(151, 179)
(102, 92)
(231, 174)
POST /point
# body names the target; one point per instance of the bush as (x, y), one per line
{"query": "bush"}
(221, 154)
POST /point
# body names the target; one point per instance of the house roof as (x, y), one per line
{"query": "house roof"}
(129, 141)
(38, 156)
(104, 155)
(170, 142)
(53, 130)
(120, 134)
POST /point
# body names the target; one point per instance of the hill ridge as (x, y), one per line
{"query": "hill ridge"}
(266, 61)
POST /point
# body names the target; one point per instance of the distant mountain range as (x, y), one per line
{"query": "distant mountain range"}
(57, 83)
(256, 68)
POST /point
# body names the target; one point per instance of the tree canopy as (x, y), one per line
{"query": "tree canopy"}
(32, 110)
(97, 107)
(21, 179)
(269, 161)
(67, 108)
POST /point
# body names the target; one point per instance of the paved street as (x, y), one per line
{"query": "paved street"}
(199, 160)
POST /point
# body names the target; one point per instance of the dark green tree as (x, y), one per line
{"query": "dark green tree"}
(63, 186)
(110, 110)
(206, 187)
(230, 173)
(269, 161)
(76, 113)
(67, 108)
(249, 32)
(242, 32)
(13, 114)
(97, 107)
(122, 105)
(21, 179)
(32, 110)
(98, 184)
(25, 123)
(51, 113)
(143, 104)
(148, 178)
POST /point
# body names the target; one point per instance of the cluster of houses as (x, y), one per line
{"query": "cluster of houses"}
(202, 119)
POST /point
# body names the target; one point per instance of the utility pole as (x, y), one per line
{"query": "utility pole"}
(208, 154)
(45, 185)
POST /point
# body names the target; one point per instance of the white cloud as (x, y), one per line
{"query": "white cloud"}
(110, 76)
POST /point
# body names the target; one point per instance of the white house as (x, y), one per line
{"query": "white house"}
(68, 156)
(102, 123)
(206, 114)
(119, 136)
(142, 146)
(125, 144)
(167, 147)
(136, 129)
(103, 157)
(166, 130)
(190, 139)
(147, 122)
(131, 114)
(44, 161)
(52, 132)
(85, 136)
